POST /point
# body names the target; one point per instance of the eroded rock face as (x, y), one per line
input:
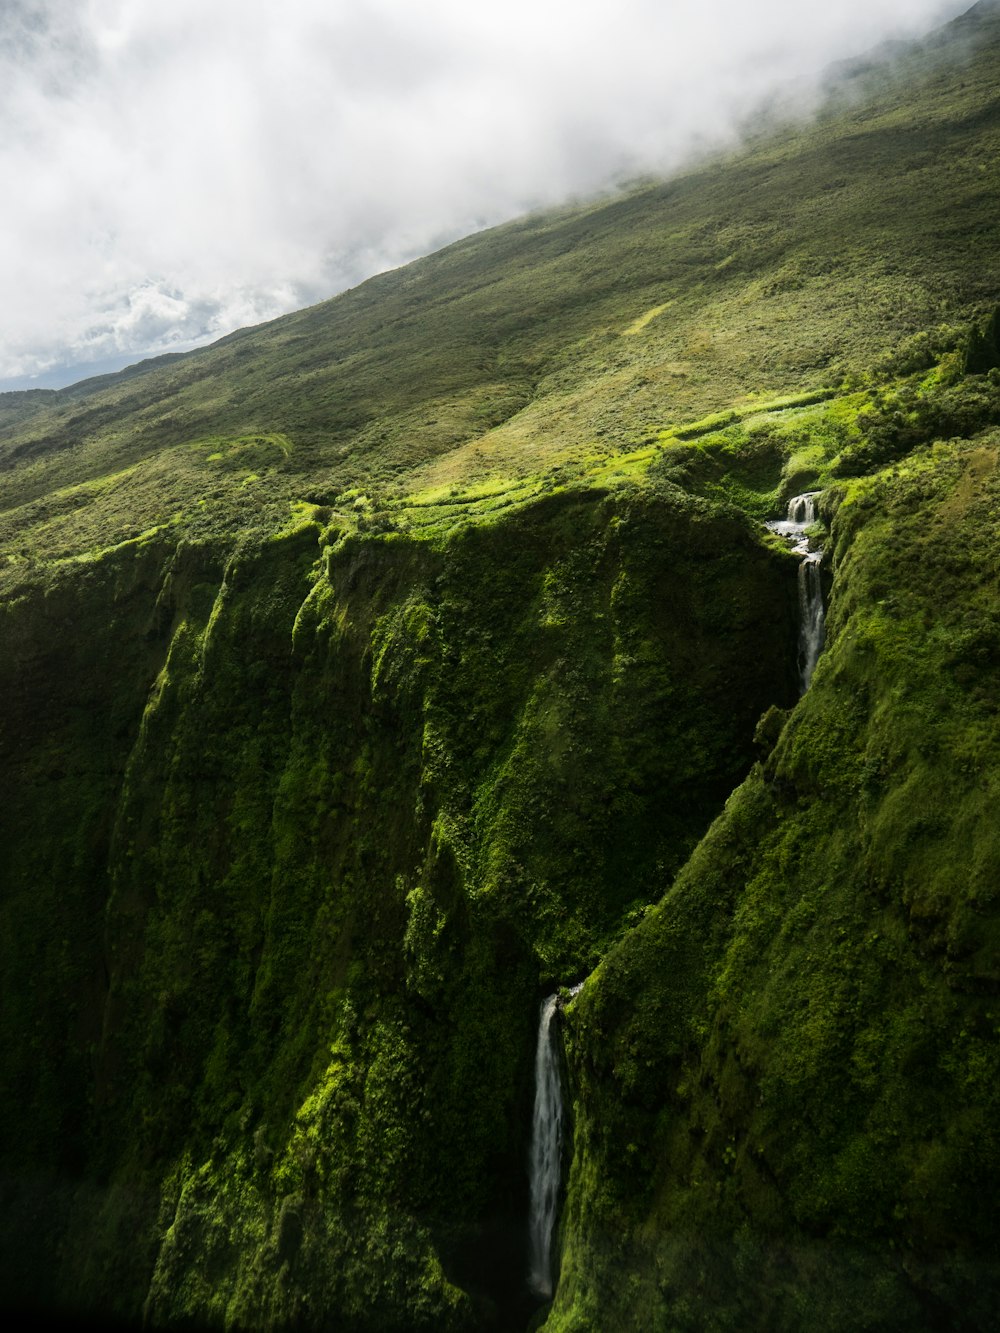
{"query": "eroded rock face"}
(318, 833)
(785, 1079)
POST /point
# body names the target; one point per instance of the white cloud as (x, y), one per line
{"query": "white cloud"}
(174, 171)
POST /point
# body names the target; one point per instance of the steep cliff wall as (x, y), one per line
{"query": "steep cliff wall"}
(295, 832)
(787, 1078)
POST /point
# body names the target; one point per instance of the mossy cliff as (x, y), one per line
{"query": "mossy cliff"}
(371, 674)
(786, 1080)
(308, 826)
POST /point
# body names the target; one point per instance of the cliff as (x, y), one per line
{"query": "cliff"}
(373, 674)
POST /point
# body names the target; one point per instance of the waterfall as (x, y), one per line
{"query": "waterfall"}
(546, 1150)
(802, 509)
(812, 620)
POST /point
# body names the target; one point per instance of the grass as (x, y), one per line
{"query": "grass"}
(804, 261)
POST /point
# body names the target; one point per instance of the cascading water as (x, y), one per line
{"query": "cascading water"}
(546, 1150)
(812, 619)
(801, 512)
(802, 508)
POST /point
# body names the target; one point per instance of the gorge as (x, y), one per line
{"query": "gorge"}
(376, 675)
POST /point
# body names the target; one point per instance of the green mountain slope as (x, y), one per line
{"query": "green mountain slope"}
(798, 263)
(377, 671)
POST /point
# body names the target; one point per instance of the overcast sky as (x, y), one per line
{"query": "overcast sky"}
(172, 171)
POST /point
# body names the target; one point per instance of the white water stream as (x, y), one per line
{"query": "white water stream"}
(545, 1161)
(812, 620)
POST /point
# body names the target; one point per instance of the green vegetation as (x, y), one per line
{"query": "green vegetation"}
(786, 1078)
(374, 672)
(448, 774)
(819, 256)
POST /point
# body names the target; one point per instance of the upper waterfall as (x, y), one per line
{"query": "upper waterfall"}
(801, 512)
(812, 617)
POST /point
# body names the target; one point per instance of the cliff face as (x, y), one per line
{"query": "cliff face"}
(374, 673)
(306, 829)
(786, 1078)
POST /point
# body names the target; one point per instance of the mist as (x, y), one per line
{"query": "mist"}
(173, 172)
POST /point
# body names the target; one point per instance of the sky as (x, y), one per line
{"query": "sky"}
(173, 171)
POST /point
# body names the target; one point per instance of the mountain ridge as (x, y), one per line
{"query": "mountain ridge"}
(339, 378)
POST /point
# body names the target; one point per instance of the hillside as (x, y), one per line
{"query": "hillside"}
(800, 263)
(375, 672)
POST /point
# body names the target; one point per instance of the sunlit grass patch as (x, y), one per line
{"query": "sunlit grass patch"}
(639, 324)
(453, 494)
(101, 552)
(303, 516)
(621, 467)
(750, 408)
(236, 451)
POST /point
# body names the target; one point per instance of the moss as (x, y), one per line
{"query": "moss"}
(784, 1076)
(372, 671)
(451, 770)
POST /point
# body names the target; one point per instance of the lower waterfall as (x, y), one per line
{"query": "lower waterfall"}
(545, 1161)
(812, 620)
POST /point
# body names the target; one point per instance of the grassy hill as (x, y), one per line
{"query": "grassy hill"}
(806, 260)
(374, 672)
